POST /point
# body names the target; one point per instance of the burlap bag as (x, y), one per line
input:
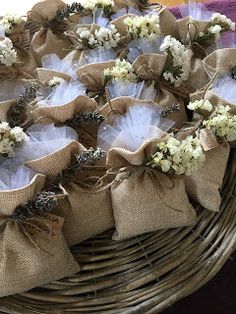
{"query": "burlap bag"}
(87, 211)
(120, 25)
(30, 255)
(217, 100)
(190, 28)
(4, 107)
(59, 114)
(53, 164)
(92, 75)
(168, 23)
(220, 61)
(121, 4)
(198, 77)
(50, 38)
(203, 187)
(45, 75)
(144, 199)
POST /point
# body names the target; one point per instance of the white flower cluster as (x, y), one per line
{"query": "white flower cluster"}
(55, 81)
(104, 37)
(179, 157)
(92, 5)
(144, 26)
(221, 20)
(222, 123)
(179, 67)
(8, 54)
(199, 105)
(122, 70)
(9, 138)
(10, 20)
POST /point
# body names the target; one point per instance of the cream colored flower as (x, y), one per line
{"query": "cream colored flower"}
(55, 81)
(200, 105)
(122, 70)
(8, 55)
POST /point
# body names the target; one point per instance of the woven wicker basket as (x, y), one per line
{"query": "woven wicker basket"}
(145, 274)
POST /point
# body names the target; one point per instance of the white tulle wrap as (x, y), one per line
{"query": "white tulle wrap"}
(119, 88)
(64, 93)
(197, 11)
(44, 140)
(53, 62)
(98, 18)
(124, 11)
(130, 131)
(225, 87)
(10, 90)
(142, 46)
(14, 176)
(97, 55)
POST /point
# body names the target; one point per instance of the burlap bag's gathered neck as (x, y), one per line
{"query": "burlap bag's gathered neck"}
(59, 114)
(45, 75)
(203, 187)
(168, 22)
(29, 258)
(92, 75)
(87, 211)
(4, 107)
(144, 199)
(54, 163)
(122, 4)
(220, 61)
(47, 40)
(190, 28)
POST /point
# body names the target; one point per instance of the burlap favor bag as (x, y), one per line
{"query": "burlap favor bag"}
(198, 76)
(217, 100)
(33, 251)
(87, 211)
(204, 185)
(220, 61)
(45, 75)
(144, 199)
(50, 38)
(4, 107)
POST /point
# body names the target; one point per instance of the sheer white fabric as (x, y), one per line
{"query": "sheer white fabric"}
(225, 87)
(124, 11)
(10, 90)
(97, 55)
(197, 11)
(53, 62)
(14, 176)
(118, 88)
(130, 131)
(62, 94)
(44, 140)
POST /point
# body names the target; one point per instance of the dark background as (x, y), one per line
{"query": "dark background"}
(217, 297)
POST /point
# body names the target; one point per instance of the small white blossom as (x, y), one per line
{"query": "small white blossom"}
(9, 138)
(9, 20)
(222, 123)
(8, 54)
(104, 37)
(92, 5)
(55, 81)
(178, 71)
(178, 157)
(221, 19)
(200, 105)
(147, 26)
(122, 70)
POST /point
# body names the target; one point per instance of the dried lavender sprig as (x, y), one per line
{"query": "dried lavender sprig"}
(85, 117)
(75, 7)
(16, 110)
(88, 157)
(44, 202)
(169, 110)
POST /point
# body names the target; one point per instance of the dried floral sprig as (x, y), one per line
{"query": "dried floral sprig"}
(170, 110)
(122, 70)
(8, 55)
(73, 8)
(178, 157)
(84, 117)
(43, 203)
(10, 20)
(89, 157)
(14, 115)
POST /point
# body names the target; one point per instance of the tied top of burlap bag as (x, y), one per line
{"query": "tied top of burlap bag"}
(220, 61)
(190, 28)
(59, 114)
(92, 75)
(50, 38)
(10, 199)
